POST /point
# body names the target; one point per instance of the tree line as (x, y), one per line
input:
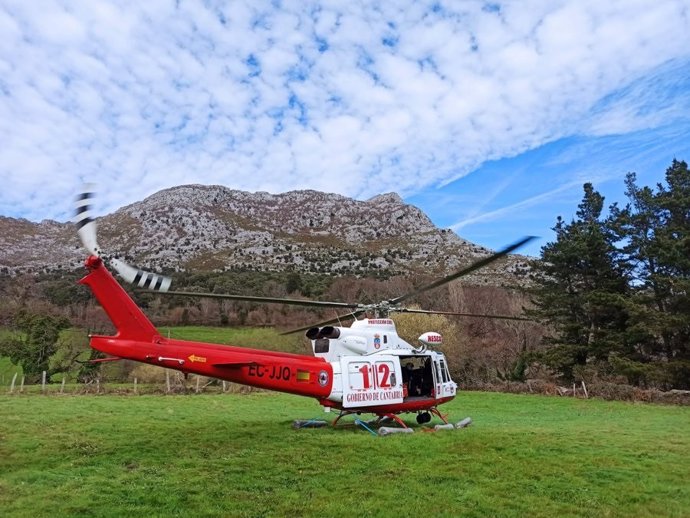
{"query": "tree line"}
(614, 288)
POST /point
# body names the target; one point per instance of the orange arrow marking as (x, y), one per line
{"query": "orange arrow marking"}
(198, 359)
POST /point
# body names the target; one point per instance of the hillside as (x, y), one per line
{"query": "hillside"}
(213, 228)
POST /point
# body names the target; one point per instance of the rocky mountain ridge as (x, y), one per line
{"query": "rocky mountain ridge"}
(203, 228)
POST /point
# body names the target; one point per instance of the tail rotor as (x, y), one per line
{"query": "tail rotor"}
(87, 231)
(86, 225)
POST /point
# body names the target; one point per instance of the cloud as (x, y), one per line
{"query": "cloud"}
(511, 210)
(337, 96)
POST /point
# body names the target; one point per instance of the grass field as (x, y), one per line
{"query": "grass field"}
(237, 455)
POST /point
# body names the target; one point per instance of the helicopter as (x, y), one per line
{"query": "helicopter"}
(366, 368)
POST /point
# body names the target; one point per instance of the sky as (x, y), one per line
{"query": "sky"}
(488, 116)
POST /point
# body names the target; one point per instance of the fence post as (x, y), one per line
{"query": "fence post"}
(62, 388)
(223, 385)
(167, 381)
(14, 378)
(43, 382)
(198, 378)
(21, 387)
(584, 389)
(135, 386)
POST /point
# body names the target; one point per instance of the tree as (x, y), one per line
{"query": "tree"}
(581, 289)
(293, 282)
(71, 352)
(616, 291)
(672, 277)
(655, 229)
(35, 343)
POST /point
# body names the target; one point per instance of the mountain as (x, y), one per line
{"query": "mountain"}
(203, 228)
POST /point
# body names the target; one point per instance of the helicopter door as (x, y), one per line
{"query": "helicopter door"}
(444, 386)
(371, 381)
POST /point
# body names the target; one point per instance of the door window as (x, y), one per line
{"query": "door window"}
(444, 372)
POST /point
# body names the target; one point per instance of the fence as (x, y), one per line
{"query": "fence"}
(175, 383)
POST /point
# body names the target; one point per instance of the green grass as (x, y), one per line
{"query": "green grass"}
(234, 455)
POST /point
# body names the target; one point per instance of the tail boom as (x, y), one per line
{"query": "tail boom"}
(138, 339)
(282, 372)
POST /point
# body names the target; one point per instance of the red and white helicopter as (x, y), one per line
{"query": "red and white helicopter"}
(364, 368)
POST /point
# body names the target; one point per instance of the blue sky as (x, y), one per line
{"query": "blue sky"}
(489, 116)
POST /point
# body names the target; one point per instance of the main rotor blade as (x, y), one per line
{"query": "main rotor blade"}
(455, 313)
(273, 300)
(340, 318)
(465, 271)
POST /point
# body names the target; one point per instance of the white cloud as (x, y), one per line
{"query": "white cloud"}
(338, 96)
(515, 208)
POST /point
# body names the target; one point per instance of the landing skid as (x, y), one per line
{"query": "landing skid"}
(393, 417)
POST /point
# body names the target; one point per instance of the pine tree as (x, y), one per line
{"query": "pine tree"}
(655, 229)
(673, 274)
(582, 288)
